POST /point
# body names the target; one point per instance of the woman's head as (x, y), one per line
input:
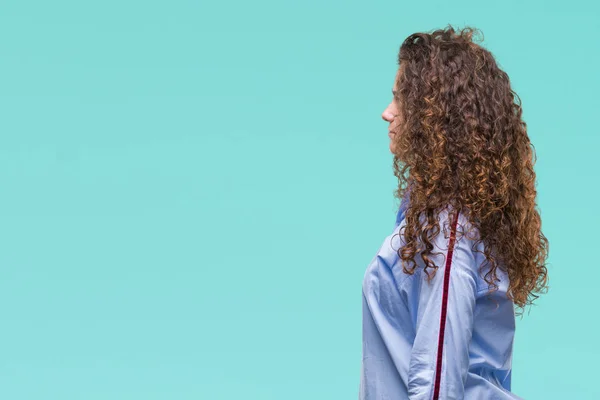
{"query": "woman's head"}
(391, 114)
(457, 135)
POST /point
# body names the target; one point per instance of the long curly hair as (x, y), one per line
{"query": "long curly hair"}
(461, 144)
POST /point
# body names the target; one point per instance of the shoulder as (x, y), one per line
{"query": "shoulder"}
(454, 229)
(457, 238)
(467, 249)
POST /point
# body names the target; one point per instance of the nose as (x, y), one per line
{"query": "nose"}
(387, 114)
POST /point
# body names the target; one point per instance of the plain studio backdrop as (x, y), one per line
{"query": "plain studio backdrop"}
(190, 192)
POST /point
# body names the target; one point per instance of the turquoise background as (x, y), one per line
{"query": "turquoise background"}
(190, 192)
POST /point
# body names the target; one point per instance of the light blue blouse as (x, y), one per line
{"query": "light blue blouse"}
(440, 340)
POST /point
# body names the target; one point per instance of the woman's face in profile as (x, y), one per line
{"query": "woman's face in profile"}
(391, 115)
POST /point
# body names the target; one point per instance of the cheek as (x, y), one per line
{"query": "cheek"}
(397, 117)
(395, 108)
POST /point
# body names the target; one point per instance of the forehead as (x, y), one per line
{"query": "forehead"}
(398, 74)
(396, 78)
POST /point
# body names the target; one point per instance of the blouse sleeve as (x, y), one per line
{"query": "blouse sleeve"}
(439, 360)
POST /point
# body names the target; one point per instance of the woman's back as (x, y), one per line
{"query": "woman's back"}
(441, 339)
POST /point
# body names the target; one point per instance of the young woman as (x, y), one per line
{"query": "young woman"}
(439, 297)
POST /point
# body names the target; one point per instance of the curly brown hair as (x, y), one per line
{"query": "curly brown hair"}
(462, 144)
